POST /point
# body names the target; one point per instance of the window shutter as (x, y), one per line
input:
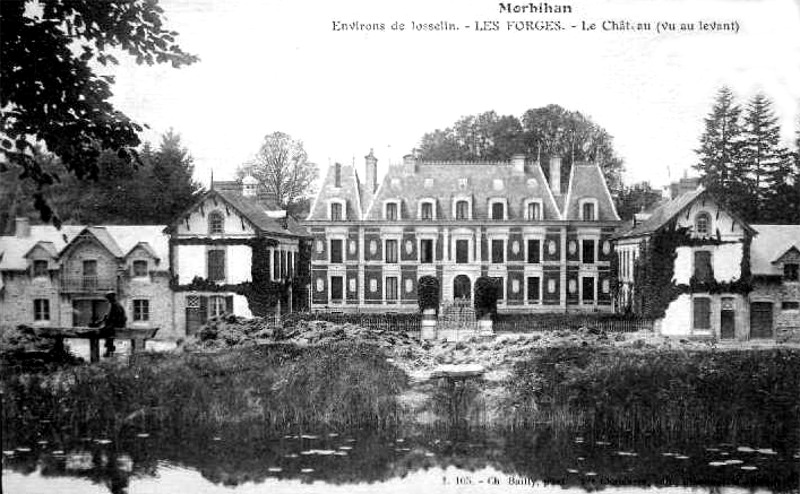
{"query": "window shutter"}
(203, 309)
(229, 304)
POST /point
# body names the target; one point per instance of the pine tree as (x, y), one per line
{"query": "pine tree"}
(765, 162)
(720, 147)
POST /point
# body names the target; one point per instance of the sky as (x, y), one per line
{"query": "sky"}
(279, 65)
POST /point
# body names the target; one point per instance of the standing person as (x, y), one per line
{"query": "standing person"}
(114, 318)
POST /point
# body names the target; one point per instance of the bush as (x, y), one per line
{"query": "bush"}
(428, 293)
(485, 296)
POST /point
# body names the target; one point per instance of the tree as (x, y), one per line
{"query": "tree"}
(173, 189)
(635, 199)
(542, 132)
(282, 166)
(765, 162)
(720, 164)
(67, 106)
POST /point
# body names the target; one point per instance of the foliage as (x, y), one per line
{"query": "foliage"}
(742, 162)
(68, 106)
(22, 350)
(428, 293)
(154, 192)
(282, 166)
(636, 199)
(278, 385)
(657, 391)
(541, 132)
(486, 294)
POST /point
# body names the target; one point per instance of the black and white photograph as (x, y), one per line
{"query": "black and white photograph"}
(446, 246)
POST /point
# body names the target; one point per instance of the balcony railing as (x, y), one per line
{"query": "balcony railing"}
(88, 284)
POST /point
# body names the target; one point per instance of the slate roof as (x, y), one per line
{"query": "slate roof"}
(770, 244)
(116, 238)
(587, 181)
(256, 209)
(351, 191)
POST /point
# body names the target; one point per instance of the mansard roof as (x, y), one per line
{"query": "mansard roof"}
(771, 244)
(587, 181)
(350, 191)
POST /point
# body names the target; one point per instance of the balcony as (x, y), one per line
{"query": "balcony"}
(88, 284)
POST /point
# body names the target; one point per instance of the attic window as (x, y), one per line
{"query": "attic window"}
(139, 268)
(534, 212)
(39, 268)
(462, 183)
(462, 210)
(702, 224)
(588, 211)
(336, 212)
(791, 272)
(216, 223)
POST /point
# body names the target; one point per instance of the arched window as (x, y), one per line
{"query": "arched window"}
(216, 223)
(534, 211)
(498, 210)
(702, 224)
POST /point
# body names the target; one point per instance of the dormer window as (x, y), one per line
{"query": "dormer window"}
(588, 211)
(533, 211)
(791, 272)
(391, 213)
(702, 224)
(497, 209)
(39, 268)
(337, 210)
(462, 210)
(427, 211)
(216, 223)
(139, 268)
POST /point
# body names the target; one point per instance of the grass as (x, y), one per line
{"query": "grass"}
(343, 384)
(662, 392)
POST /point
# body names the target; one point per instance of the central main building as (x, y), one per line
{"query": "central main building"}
(548, 245)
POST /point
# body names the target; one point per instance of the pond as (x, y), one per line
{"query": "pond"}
(246, 458)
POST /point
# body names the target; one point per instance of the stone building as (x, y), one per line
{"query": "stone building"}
(213, 247)
(775, 299)
(546, 240)
(51, 277)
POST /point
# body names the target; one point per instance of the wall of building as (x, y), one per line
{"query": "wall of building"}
(786, 322)
(726, 261)
(197, 222)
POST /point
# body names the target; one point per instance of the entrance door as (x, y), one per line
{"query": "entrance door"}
(462, 287)
(196, 313)
(761, 320)
(727, 320)
(88, 312)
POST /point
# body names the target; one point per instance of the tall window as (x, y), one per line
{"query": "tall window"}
(702, 313)
(391, 211)
(217, 305)
(498, 209)
(702, 224)
(702, 266)
(141, 310)
(534, 251)
(498, 283)
(391, 288)
(39, 268)
(791, 272)
(426, 251)
(498, 251)
(462, 251)
(588, 211)
(41, 309)
(588, 289)
(588, 251)
(391, 251)
(139, 268)
(216, 265)
(216, 223)
(427, 211)
(276, 265)
(336, 250)
(533, 289)
(90, 274)
(534, 211)
(336, 211)
(337, 288)
(462, 210)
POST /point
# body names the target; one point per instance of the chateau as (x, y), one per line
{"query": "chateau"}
(546, 239)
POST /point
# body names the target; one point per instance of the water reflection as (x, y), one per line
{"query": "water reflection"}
(246, 455)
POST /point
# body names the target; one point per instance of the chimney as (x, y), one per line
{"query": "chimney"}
(22, 227)
(518, 161)
(371, 175)
(555, 175)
